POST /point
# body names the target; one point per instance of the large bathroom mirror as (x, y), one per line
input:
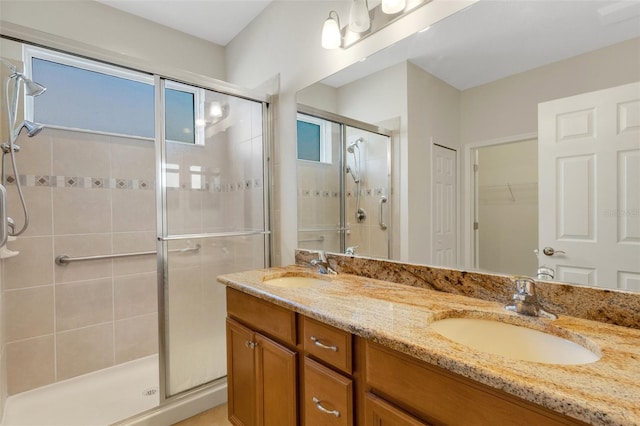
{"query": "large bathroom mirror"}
(496, 151)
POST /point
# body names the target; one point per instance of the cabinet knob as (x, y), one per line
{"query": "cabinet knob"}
(324, 410)
(319, 344)
(250, 344)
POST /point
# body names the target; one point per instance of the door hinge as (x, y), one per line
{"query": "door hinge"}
(475, 226)
(475, 168)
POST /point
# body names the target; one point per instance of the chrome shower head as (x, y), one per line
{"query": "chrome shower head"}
(354, 145)
(31, 88)
(32, 128)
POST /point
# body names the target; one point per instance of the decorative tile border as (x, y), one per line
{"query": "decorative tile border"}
(324, 193)
(82, 182)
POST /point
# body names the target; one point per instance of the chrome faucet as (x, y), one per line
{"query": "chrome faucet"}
(322, 264)
(525, 299)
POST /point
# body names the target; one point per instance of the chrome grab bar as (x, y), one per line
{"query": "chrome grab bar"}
(212, 235)
(313, 240)
(338, 229)
(63, 259)
(4, 231)
(383, 226)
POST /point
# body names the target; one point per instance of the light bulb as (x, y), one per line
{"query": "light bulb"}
(393, 6)
(359, 20)
(215, 110)
(331, 36)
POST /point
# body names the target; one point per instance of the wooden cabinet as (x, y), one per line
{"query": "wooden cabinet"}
(443, 398)
(287, 369)
(378, 412)
(262, 381)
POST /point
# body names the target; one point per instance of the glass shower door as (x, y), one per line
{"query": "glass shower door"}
(367, 184)
(214, 222)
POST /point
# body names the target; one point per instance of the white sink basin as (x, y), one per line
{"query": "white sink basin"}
(295, 281)
(513, 341)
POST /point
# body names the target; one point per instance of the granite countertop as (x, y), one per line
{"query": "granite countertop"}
(606, 392)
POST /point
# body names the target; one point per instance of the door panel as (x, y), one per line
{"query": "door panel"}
(444, 207)
(277, 368)
(242, 375)
(367, 190)
(212, 187)
(589, 174)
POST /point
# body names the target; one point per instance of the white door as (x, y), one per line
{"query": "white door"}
(589, 187)
(444, 207)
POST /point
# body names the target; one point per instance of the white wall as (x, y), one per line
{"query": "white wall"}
(510, 106)
(102, 27)
(319, 96)
(285, 40)
(433, 107)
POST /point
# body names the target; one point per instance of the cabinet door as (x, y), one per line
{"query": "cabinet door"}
(276, 383)
(378, 412)
(241, 375)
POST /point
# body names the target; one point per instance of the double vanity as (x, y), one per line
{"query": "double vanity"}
(346, 349)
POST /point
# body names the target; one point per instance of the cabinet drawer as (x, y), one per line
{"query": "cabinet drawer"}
(328, 396)
(328, 344)
(262, 316)
(442, 397)
(378, 412)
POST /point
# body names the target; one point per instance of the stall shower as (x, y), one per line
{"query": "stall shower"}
(343, 190)
(140, 191)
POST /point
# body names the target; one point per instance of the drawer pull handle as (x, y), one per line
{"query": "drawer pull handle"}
(319, 344)
(324, 410)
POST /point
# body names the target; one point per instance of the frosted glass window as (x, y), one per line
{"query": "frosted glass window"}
(308, 141)
(77, 98)
(95, 97)
(314, 139)
(180, 116)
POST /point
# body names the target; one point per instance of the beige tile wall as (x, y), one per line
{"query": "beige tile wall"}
(3, 346)
(63, 321)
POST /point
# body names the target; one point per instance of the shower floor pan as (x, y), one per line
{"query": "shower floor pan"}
(99, 398)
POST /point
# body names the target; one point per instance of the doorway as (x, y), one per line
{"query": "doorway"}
(506, 207)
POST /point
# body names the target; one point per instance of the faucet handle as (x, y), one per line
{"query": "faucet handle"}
(525, 286)
(322, 256)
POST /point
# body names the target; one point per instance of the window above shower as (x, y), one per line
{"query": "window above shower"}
(314, 139)
(91, 96)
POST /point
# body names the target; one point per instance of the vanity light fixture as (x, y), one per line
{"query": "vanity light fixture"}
(359, 19)
(331, 35)
(364, 22)
(391, 7)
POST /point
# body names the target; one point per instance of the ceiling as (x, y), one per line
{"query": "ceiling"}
(487, 41)
(217, 21)
(493, 39)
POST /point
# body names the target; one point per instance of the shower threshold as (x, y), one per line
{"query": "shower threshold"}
(99, 398)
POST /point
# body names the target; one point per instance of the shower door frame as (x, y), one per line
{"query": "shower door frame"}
(161, 209)
(33, 37)
(345, 122)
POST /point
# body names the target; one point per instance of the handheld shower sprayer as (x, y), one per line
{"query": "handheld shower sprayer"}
(355, 174)
(12, 95)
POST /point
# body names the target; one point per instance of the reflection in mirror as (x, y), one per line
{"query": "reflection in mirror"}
(522, 101)
(343, 185)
